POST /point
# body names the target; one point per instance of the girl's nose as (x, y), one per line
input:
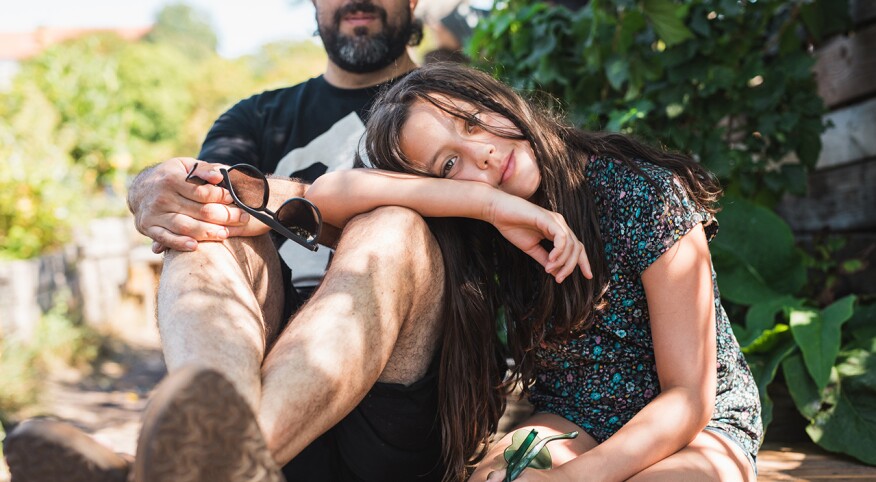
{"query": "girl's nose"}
(486, 156)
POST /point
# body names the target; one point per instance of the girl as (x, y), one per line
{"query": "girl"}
(631, 349)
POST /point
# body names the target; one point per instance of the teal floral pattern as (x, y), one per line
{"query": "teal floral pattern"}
(606, 374)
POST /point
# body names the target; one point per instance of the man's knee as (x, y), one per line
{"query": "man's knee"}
(252, 254)
(242, 269)
(389, 231)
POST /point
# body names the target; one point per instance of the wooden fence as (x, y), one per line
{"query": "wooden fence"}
(106, 262)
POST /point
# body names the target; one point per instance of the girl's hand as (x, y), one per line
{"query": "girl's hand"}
(525, 225)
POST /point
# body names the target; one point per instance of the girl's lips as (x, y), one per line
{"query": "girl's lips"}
(509, 168)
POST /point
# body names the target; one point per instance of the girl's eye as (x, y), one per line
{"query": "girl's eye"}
(448, 166)
(471, 123)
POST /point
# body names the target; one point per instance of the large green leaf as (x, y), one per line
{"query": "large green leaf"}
(668, 20)
(862, 324)
(818, 335)
(850, 425)
(755, 254)
(762, 316)
(768, 340)
(802, 388)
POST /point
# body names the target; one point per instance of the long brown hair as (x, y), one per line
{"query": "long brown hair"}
(484, 273)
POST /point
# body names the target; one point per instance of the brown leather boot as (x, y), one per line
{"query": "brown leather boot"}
(49, 451)
(197, 428)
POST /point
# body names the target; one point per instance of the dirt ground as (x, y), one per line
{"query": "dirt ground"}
(107, 400)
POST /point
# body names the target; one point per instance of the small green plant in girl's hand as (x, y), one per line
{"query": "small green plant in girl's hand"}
(527, 450)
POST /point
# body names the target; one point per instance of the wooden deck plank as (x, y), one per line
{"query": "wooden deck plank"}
(806, 461)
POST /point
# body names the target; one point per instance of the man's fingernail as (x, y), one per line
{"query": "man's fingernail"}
(244, 218)
(191, 245)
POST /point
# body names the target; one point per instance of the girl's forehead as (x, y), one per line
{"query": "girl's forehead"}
(425, 121)
(449, 102)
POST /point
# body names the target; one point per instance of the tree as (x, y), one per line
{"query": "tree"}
(186, 29)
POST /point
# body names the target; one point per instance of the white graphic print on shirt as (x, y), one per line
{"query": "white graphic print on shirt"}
(336, 149)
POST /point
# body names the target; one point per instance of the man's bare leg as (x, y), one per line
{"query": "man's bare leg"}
(220, 307)
(375, 317)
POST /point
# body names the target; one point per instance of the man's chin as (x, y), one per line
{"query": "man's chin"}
(353, 31)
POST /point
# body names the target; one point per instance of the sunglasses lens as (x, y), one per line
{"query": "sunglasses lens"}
(300, 217)
(249, 185)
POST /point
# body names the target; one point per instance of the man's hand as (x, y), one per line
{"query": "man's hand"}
(177, 215)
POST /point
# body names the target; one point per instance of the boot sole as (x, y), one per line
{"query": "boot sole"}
(49, 451)
(197, 428)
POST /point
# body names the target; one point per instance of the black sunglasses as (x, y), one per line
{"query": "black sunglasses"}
(297, 219)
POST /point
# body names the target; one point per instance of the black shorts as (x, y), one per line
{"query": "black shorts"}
(393, 435)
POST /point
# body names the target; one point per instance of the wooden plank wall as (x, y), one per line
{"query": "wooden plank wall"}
(841, 194)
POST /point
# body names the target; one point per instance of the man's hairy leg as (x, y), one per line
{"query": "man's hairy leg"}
(220, 307)
(375, 317)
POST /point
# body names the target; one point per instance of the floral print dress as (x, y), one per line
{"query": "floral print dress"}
(600, 379)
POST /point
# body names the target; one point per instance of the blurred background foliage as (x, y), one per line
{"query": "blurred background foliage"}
(80, 119)
(731, 83)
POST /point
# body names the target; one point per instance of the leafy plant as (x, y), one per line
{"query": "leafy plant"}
(731, 83)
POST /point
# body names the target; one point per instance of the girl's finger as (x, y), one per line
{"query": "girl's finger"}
(572, 260)
(539, 254)
(584, 263)
(556, 237)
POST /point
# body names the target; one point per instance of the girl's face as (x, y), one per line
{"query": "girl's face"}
(450, 147)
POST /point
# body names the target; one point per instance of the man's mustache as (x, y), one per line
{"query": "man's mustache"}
(359, 7)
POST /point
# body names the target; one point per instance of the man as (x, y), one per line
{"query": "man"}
(347, 388)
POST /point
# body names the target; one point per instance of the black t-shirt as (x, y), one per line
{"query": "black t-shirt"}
(301, 131)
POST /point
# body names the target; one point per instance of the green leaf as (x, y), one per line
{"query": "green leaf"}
(806, 396)
(617, 71)
(755, 254)
(763, 369)
(795, 177)
(769, 339)
(850, 425)
(762, 316)
(840, 310)
(630, 25)
(862, 324)
(818, 335)
(667, 18)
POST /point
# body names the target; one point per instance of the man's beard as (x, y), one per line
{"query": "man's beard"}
(361, 53)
